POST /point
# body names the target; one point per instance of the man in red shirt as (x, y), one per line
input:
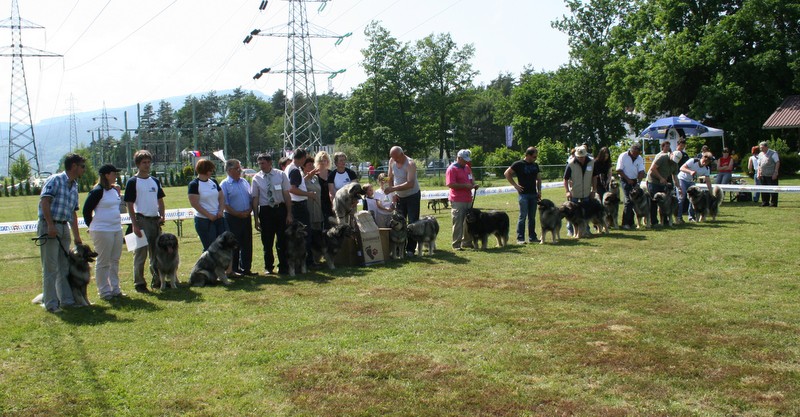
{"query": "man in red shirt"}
(459, 179)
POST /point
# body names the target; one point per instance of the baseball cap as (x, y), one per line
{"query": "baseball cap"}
(107, 169)
(465, 154)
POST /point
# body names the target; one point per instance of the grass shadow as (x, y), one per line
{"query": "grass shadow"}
(184, 293)
(91, 316)
(132, 304)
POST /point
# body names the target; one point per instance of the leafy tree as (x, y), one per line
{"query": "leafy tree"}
(21, 168)
(501, 159)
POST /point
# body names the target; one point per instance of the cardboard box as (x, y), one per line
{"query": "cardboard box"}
(369, 239)
(385, 243)
(348, 254)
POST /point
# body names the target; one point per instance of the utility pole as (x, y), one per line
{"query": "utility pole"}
(301, 126)
(73, 124)
(21, 140)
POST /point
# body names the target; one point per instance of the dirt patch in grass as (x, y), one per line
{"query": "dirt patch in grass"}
(537, 287)
(391, 383)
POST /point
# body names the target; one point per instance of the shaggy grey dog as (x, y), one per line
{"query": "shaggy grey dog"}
(212, 263)
(167, 260)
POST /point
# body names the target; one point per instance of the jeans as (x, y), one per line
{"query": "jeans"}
(209, 230)
(408, 207)
(723, 178)
(757, 180)
(682, 200)
(243, 230)
(55, 267)
(527, 210)
(654, 188)
(627, 210)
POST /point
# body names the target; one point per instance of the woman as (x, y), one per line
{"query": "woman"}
(208, 201)
(724, 168)
(602, 168)
(322, 162)
(752, 169)
(101, 213)
(313, 186)
(341, 175)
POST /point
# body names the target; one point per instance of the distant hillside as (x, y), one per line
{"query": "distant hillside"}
(52, 135)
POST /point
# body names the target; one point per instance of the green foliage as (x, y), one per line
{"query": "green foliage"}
(21, 168)
(551, 152)
(27, 188)
(478, 157)
(500, 159)
(790, 164)
(13, 187)
(779, 145)
(187, 173)
(5, 186)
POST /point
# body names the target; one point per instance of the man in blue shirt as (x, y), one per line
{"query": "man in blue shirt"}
(57, 206)
(238, 211)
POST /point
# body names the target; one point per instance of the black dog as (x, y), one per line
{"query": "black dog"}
(705, 203)
(438, 204)
(481, 224)
(296, 247)
(326, 243)
(79, 273)
(550, 220)
(167, 260)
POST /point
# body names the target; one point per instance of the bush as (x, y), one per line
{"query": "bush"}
(13, 188)
(501, 159)
(790, 164)
(551, 152)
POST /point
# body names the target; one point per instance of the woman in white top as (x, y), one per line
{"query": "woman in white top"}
(340, 176)
(101, 212)
(206, 197)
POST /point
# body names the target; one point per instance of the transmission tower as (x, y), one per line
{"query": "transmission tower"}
(73, 124)
(21, 140)
(103, 134)
(301, 127)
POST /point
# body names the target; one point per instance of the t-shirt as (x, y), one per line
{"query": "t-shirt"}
(296, 180)
(457, 174)
(209, 195)
(527, 173)
(694, 165)
(340, 179)
(144, 193)
(666, 167)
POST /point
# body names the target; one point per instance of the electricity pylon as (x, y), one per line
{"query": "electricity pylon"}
(21, 140)
(301, 126)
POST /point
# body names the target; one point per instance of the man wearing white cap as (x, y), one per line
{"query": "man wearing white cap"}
(580, 181)
(458, 178)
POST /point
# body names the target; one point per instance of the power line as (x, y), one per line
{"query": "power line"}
(87, 27)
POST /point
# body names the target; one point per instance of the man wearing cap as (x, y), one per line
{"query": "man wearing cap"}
(273, 211)
(529, 189)
(692, 169)
(58, 203)
(580, 180)
(238, 210)
(768, 166)
(101, 213)
(663, 170)
(458, 178)
(630, 167)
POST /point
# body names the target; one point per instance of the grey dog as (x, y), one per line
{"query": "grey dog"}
(212, 263)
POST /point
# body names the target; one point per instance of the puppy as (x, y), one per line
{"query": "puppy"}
(345, 202)
(79, 273)
(550, 219)
(212, 263)
(641, 205)
(705, 203)
(167, 260)
(398, 236)
(438, 204)
(481, 224)
(424, 231)
(296, 247)
(667, 205)
(326, 243)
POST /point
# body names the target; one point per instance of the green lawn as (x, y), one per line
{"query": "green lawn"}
(699, 320)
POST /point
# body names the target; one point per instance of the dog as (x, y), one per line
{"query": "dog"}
(79, 273)
(481, 224)
(438, 204)
(667, 204)
(424, 231)
(705, 203)
(345, 202)
(326, 243)
(594, 212)
(550, 219)
(582, 214)
(398, 236)
(167, 260)
(611, 202)
(296, 247)
(641, 205)
(213, 262)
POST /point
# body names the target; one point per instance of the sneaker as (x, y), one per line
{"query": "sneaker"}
(520, 242)
(107, 297)
(142, 289)
(121, 295)
(764, 204)
(409, 253)
(773, 205)
(56, 310)
(679, 221)
(458, 249)
(626, 227)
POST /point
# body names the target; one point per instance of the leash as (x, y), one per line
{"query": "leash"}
(41, 240)
(474, 194)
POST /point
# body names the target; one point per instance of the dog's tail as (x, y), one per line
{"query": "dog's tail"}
(716, 193)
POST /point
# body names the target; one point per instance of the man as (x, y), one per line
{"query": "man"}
(630, 168)
(580, 181)
(58, 203)
(529, 190)
(145, 200)
(238, 209)
(403, 180)
(768, 166)
(663, 170)
(272, 207)
(692, 169)
(299, 194)
(458, 178)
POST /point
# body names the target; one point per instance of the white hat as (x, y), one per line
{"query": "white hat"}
(580, 152)
(465, 154)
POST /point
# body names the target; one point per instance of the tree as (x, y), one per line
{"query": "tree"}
(21, 169)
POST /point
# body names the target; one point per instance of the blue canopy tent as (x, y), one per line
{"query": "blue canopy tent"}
(669, 128)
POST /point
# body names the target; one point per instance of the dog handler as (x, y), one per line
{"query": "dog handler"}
(101, 212)
(57, 206)
(273, 211)
(459, 179)
(580, 181)
(403, 177)
(630, 167)
(529, 187)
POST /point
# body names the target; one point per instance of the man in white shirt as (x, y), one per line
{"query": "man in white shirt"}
(630, 167)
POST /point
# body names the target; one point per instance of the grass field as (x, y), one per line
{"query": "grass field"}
(699, 320)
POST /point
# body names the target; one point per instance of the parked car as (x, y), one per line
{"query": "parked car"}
(436, 167)
(247, 172)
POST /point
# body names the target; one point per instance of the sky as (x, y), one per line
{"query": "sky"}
(119, 53)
